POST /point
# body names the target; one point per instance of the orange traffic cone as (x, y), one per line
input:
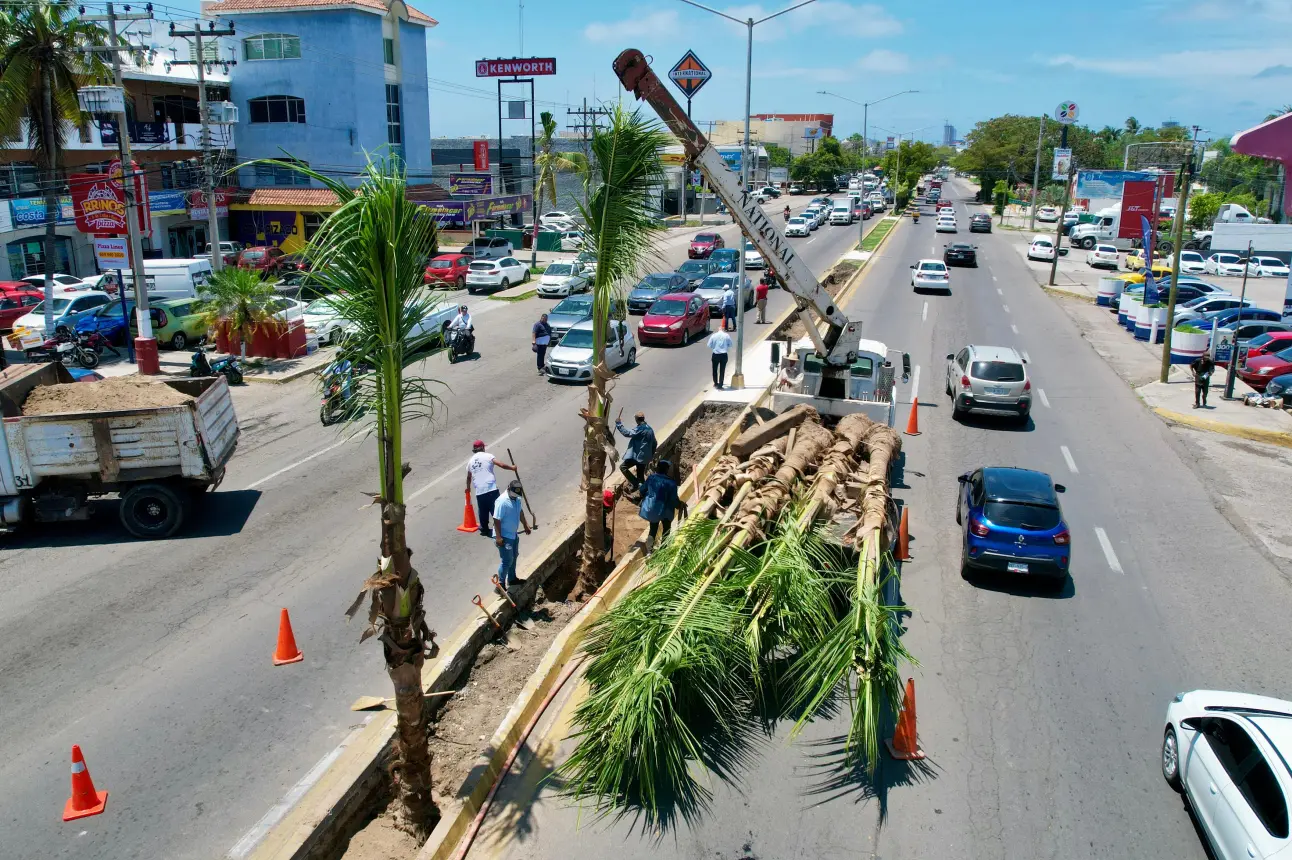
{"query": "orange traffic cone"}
(286, 652)
(904, 536)
(85, 801)
(905, 745)
(913, 423)
(469, 523)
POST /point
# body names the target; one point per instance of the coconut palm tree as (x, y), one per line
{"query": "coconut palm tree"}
(237, 299)
(549, 163)
(371, 256)
(42, 67)
(621, 232)
(1132, 125)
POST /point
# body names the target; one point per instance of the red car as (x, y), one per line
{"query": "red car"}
(943, 204)
(674, 318)
(448, 269)
(704, 244)
(1257, 371)
(17, 298)
(1271, 341)
(263, 259)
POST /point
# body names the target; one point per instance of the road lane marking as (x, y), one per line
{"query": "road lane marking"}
(1045, 400)
(993, 277)
(1006, 307)
(1014, 327)
(924, 315)
(999, 291)
(915, 383)
(455, 469)
(300, 462)
(1067, 458)
(1108, 551)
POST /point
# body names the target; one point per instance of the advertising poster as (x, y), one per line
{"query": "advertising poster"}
(99, 203)
(1137, 203)
(471, 184)
(1062, 164)
(1107, 184)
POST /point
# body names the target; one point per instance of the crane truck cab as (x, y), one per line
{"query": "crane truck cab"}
(870, 389)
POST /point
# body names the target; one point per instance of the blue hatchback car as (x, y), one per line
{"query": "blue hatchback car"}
(108, 321)
(725, 260)
(1013, 524)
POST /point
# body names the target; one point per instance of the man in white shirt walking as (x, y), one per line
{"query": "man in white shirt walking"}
(719, 345)
(480, 478)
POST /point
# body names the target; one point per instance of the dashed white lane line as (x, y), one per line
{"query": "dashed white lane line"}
(999, 291)
(1045, 400)
(993, 277)
(455, 470)
(1107, 546)
(915, 383)
(1006, 307)
(301, 462)
(1014, 327)
(924, 314)
(1067, 458)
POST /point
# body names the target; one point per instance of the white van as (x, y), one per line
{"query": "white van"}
(841, 213)
(173, 279)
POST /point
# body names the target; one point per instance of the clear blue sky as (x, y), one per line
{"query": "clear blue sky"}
(1220, 64)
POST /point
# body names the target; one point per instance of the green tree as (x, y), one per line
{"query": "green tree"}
(622, 233)
(371, 255)
(1132, 125)
(238, 299)
(1000, 197)
(42, 68)
(548, 163)
(777, 156)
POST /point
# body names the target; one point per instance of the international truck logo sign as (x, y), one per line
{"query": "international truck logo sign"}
(514, 67)
(690, 74)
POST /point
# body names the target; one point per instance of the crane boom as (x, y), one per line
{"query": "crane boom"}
(838, 347)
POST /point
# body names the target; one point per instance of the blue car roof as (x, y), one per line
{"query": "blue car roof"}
(1018, 485)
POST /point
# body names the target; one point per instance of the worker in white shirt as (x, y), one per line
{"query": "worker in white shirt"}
(719, 345)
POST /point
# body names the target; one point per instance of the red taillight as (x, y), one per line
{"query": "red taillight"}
(979, 528)
(964, 382)
(1063, 538)
(1027, 385)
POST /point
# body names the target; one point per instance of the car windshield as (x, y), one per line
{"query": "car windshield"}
(1286, 354)
(797, 221)
(997, 371)
(715, 283)
(482, 267)
(1269, 261)
(693, 266)
(1262, 339)
(1021, 516)
(573, 305)
(319, 307)
(1226, 258)
(1191, 256)
(562, 269)
(441, 264)
(112, 310)
(669, 308)
(60, 305)
(586, 257)
(579, 338)
(749, 246)
(932, 267)
(252, 255)
(1109, 249)
(706, 238)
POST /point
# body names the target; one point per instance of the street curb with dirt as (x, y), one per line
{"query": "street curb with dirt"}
(1252, 434)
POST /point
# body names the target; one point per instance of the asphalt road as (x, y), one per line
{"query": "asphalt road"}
(1041, 714)
(155, 657)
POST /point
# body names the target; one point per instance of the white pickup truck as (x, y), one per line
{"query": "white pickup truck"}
(158, 459)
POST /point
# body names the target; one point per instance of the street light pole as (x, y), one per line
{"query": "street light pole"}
(738, 373)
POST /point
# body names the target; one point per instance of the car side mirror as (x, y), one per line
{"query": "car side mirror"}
(950, 356)
(912, 266)
(963, 478)
(1059, 488)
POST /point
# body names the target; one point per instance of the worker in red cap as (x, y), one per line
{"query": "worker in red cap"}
(607, 516)
(481, 481)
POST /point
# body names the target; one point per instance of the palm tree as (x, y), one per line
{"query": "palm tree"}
(622, 233)
(42, 67)
(238, 299)
(1132, 125)
(371, 255)
(549, 163)
(1286, 109)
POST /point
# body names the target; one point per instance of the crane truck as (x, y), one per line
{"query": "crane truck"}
(842, 374)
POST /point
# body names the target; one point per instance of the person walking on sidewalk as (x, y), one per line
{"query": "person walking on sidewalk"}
(641, 448)
(541, 336)
(719, 344)
(1202, 368)
(729, 308)
(508, 519)
(760, 299)
(660, 503)
(480, 478)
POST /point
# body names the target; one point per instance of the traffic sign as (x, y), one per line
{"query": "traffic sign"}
(690, 74)
(1066, 113)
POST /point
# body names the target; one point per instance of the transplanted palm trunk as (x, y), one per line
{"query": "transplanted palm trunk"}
(371, 255)
(618, 219)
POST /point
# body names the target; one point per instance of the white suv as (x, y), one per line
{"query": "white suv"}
(989, 379)
(1042, 248)
(1102, 257)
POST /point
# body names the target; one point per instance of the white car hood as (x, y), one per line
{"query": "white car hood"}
(570, 354)
(556, 280)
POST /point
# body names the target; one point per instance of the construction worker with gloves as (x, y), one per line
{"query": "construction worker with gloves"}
(641, 447)
(660, 503)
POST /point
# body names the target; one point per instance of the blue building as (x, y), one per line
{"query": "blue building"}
(327, 83)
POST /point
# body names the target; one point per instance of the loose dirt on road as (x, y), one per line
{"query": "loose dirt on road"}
(111, 394)
(461, 730)
(793, 327)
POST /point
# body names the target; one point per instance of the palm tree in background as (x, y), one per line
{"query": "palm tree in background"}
(42, 67)
(238, 300)
(549, 163)
(622, 233)
(1132, 125)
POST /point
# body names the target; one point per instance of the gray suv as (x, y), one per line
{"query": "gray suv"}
(487, 248)
(989, 379)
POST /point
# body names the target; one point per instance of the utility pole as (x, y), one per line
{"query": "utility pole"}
(145, 343)
(587, 121)
(1186, 179)
(1036, 175)
(1058, 228)
(738, 374)
(1233, 348)
(208, 161)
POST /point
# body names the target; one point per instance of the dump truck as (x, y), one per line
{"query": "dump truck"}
(157, 458)
(841, 377)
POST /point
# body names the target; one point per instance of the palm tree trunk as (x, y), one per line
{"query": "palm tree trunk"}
(592, 569)
(51, 195)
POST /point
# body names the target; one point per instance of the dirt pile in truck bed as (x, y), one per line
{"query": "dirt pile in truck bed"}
(113, 393)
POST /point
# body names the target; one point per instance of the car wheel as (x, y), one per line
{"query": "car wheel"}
(460, 283)
(966, 572)
(524, 279)
(949, 392)
(1088, 243)
(505, 283)
(632, 357)
(152, 511)
(1171, 759)
(178, 340)
(956, 412)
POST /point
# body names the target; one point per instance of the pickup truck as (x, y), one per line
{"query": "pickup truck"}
(158, 459)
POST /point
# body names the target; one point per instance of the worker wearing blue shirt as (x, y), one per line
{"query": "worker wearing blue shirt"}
(641, 448)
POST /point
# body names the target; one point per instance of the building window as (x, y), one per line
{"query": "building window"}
(313, 221)
(394, 116)
(19, 180)
(388, 51)
(278, 109)
(273, 174)
(272, 46)
(176, 109)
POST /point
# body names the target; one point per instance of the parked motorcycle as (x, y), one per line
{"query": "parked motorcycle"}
(63, 346)
(228, 367)
(460, 343)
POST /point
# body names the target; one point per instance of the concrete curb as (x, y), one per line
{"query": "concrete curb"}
(1252, 434)
(286, 377)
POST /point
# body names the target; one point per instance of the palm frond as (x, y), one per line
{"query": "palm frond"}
(239, 298)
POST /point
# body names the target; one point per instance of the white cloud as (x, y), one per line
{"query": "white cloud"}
(1201, 65)
(884, 61)
(877, 62)
(655, 24)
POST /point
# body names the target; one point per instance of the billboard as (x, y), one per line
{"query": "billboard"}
(513, 67)
(1137, 203)
(471, 184)
(466, 211)
(98, 202)
(480, 153)
(1062, 164)
(1107, 184)
(30, 212)
(198, 209)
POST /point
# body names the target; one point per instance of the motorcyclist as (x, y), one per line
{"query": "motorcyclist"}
(787, 212)
(462, 322)
(343, 370)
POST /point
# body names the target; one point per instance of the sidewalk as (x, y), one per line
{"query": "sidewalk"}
(258, 370)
